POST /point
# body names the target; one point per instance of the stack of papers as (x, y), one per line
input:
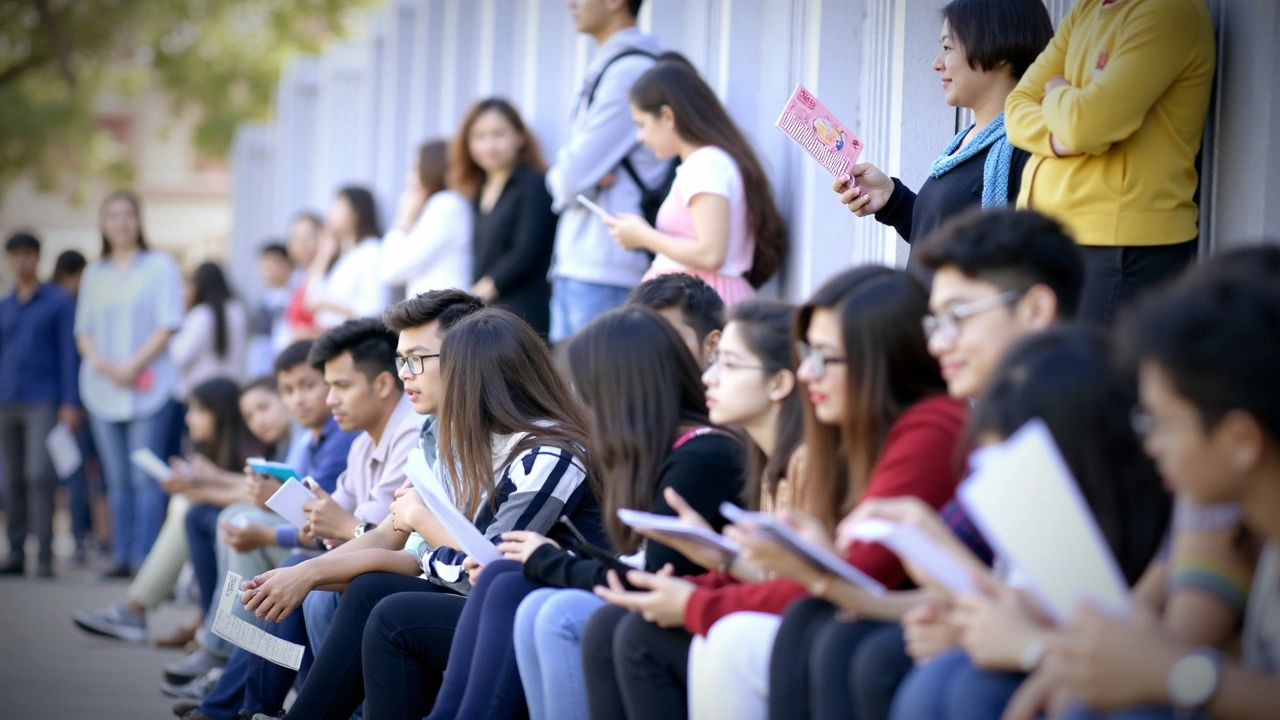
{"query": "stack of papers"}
(1028, 506)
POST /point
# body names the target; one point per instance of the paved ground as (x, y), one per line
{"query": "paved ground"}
(51, 669)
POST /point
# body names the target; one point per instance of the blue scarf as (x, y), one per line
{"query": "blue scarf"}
(995, 172)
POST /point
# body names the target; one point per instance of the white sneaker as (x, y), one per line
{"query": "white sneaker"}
(114, 621)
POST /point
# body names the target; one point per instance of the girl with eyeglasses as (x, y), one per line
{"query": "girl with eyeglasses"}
(877, 423)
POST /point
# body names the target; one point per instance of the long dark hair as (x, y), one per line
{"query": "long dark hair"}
(889, 370)
(131, 198)
(1064, 377)
(211, 289)
(433, 166)
(500, 379)
(701, 120)
(366, 210)
(641, 383)
(465, 174)
(232, 442)
(766, 326)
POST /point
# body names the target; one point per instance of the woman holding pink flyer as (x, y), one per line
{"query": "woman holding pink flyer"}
(719, 221)
(986, 46)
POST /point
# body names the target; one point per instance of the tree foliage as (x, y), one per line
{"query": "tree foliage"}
(220, 58)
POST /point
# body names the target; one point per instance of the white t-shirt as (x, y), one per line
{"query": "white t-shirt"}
(353, 281)
(193, 347)
(708, 170)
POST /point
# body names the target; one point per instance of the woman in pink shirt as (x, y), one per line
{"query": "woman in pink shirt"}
(719, 221)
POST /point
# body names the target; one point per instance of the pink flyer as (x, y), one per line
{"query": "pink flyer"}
(815, 128)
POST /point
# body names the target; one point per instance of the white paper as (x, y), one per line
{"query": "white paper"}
(1027, 505)
(151, 464)
(287, 502)
(815, 555)
(920, 550)
(464, 533)
(64, 451)
(247, 636)
(672, 526)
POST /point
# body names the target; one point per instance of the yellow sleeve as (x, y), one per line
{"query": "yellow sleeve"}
(1023, 117)
(1150, 52)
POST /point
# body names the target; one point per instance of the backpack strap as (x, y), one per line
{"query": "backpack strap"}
(630, 170)
(591, 95)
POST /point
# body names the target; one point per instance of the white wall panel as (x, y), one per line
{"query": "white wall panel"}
(254, 218)
(394, 55)
(295, 132)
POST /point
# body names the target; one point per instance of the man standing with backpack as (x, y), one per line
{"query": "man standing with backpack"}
(590, 272)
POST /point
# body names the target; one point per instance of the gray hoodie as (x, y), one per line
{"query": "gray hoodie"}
(600, 136)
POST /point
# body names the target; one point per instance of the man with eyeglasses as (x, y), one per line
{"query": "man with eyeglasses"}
(998, 276)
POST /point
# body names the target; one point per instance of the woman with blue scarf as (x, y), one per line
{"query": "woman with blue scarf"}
(986, 46)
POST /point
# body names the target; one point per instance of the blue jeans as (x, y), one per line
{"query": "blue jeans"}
(319, 607)
(574, 303)
(481, 679)
(1143, 713)
(136, 500)
(949, 687)
(79, 494)
(548, 637)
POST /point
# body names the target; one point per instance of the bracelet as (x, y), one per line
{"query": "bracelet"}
(822, 586)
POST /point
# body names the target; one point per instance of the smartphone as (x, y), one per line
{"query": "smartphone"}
(599, 211)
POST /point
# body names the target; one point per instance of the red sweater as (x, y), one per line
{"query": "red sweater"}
(918, 459)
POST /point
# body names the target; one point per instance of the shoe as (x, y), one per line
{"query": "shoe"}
(15, 566)
(195, 714)
(44, 569)
(264, 716)
(119, 571)
(179, 638)
(192, 666)
(182, 708)
(194, 690)
(116, 621)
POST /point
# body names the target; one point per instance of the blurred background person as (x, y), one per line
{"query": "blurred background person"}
(343, 281)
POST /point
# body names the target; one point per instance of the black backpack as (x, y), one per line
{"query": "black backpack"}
(651, 198)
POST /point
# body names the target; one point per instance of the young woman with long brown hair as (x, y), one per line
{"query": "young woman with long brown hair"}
(720, 221)
(496, 164)
(429, 245)
(509, 447)
(877, 424)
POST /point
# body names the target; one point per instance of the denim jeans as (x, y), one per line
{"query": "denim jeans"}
(79, 492)
(1142, 713)
(548, 637)
(949, 687)
(318, 608)
(30, 474)
(137, 503)
(247, 565)
(574, 303)
(481, 680)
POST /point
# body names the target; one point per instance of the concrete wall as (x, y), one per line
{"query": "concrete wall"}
(356, 113)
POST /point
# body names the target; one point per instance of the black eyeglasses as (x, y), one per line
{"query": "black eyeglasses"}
(416, 363)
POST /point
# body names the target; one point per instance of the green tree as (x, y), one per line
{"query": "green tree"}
(220, 57)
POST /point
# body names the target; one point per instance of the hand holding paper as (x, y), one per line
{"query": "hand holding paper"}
(288, 501)
(919, 552)
(1030, 509)
(464, 533)
(64, 451)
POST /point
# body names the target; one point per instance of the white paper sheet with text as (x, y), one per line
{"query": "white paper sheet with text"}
(1024, 500)
(251, 638)
(920, 550)
(815, 555)
(287, 502)
(64, 451)
(672, 526)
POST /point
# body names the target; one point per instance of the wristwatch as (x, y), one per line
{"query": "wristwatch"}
(363, 528)
(1193, 680)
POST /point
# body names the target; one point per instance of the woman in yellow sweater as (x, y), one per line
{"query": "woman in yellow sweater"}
(1112, 113)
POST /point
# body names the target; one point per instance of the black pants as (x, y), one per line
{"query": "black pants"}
(29, 474)
(335, 686)
(823, 667)
(1114, 277)
(634, 669)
